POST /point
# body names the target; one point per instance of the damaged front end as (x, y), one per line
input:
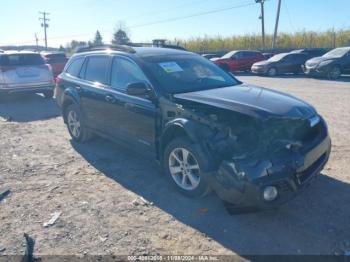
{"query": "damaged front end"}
(258, 159)
(267, 162)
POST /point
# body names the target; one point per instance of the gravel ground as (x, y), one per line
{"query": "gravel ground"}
(98, 186)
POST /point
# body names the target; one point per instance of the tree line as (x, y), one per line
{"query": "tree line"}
(304, 39)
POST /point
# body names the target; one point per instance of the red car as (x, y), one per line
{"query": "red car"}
(239, 60)
(56, 60)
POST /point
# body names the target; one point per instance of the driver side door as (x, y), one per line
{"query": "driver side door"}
(131, 118)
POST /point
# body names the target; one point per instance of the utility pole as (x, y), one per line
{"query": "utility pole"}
(276, 25)
(262, 17)
(44, 24)
(37, 42)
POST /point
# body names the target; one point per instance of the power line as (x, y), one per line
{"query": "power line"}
(44, 24)
(191, 16)
(157, 22)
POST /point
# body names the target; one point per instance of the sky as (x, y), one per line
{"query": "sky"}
(150, 19)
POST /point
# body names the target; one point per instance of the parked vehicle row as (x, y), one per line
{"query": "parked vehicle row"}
(253, 146)
(313, 62)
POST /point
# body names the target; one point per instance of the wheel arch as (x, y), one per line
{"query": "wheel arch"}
(178, 128)
(70, 97)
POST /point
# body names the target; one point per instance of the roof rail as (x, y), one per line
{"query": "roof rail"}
(122, 48)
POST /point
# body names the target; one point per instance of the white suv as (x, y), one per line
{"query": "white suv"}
(25, 72)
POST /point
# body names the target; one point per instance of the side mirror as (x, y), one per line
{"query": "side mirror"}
(137, 89)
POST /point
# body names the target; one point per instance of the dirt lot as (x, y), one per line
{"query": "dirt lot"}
(94, 186)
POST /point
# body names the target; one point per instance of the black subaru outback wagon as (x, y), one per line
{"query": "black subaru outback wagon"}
(253, 146)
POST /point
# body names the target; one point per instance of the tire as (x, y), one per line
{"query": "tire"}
(48, 94)
(272, 72)
(334, 73)
(75, 124)
(193, 185)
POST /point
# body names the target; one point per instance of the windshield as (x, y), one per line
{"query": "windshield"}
(188, 73)
(336, 53)
(278, 57)
(229, 55)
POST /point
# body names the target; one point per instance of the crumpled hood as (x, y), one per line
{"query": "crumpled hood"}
(252, 100)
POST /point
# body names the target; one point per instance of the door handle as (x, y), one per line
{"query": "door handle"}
(110, 99)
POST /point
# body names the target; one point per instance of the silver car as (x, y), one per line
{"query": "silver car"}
(25, 72)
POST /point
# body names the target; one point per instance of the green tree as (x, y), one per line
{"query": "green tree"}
(98, 39)
(61, 49)
(120, 37)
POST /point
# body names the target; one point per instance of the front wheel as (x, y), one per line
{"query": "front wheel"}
(334, 73)
(272, 72)
(76, 129)
(184, 163)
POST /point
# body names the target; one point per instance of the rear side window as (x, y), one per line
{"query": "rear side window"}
(22, 60)
(97, 68)
(75, 67)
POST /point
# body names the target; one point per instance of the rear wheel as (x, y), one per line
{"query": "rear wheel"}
(184, 163)
(76, 128)
(272, 72)
(48, 94)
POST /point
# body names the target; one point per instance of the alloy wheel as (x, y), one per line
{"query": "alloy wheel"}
(184, 169)
(74, 124)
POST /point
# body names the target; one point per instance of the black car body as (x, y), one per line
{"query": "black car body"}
(331, 65)
(251, 145)
(280, 64)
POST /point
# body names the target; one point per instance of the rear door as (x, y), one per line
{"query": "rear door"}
(25, 70)
(94, 90)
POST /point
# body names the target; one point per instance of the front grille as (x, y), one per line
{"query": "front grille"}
(306, 174)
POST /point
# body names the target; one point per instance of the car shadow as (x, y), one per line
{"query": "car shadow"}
(28, 108)
(316, 222)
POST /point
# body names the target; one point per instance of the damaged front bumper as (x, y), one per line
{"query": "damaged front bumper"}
(242, 182)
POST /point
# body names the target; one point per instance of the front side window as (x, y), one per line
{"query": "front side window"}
(187, 73)
(125, 72)
(75, 67)
(97, 69)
